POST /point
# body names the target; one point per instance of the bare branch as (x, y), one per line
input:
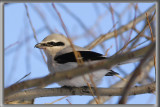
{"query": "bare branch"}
(42, 16)
(45, 92)
(136, 72)
(34, 32)
(122, 83)
(122, 29)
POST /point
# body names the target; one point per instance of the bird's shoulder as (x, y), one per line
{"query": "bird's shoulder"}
(67, 55)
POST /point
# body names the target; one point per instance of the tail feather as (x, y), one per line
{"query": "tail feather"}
(111, 73)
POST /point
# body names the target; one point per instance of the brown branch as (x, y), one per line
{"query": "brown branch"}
(122, 83)
(83, 26)
(136, 39)
(42, 16)
(46, 92)
(20, 102)
(76, 53)
(27, 39)
(136, 72)
(152, 36)
(122, 29)
(143, 35)
(56, 100)
(113, 21)
(34, 32)
(11, 45)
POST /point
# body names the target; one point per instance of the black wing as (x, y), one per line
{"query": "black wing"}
(86, 55)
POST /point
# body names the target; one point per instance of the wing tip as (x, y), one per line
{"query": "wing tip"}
(111, 73)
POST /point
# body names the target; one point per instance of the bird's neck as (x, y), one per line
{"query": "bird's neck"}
(50, 62)
(50, 58)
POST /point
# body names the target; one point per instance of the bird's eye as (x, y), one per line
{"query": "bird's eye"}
(59, 44)
(55, 43)
(51, 43)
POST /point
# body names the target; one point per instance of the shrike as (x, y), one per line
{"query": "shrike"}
(60, 57)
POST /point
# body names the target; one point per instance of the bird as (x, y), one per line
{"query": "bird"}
(61, 57)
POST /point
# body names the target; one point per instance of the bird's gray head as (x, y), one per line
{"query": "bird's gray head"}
(53, 44)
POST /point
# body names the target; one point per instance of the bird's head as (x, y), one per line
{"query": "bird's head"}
(53, 44)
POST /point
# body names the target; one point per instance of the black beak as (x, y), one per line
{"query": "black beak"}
(39, 45)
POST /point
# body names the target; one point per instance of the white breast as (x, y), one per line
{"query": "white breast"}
(79, 81)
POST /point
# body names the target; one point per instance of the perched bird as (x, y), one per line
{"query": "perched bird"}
(60, 57)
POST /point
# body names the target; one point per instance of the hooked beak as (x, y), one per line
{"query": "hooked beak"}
(39, 45)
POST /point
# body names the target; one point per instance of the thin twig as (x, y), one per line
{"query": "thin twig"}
(35, 37)
(68, 101)
(23, 77)
(151, 38)
(135, 38)
(42, 16)
(11, 45)
(121, 29)
(57, 100)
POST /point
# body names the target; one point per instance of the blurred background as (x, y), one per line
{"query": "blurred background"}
(84, 22)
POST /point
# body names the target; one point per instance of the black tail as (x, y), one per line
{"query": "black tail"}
(111, 73)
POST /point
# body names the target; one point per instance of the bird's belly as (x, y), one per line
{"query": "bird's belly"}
(91, 78)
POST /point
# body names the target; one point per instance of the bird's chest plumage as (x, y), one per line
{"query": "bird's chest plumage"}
(77, 81)
(63, 67)
(53, 66)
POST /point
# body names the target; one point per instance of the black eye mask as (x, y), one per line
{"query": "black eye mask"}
(55, 44)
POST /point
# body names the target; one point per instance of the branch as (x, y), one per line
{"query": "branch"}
(34, 32)
(136, 72)
(119, 31)
(136, 39)
(83, 26)
(42, 16)
(46, 92)
(80, 70)
(122, 83)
